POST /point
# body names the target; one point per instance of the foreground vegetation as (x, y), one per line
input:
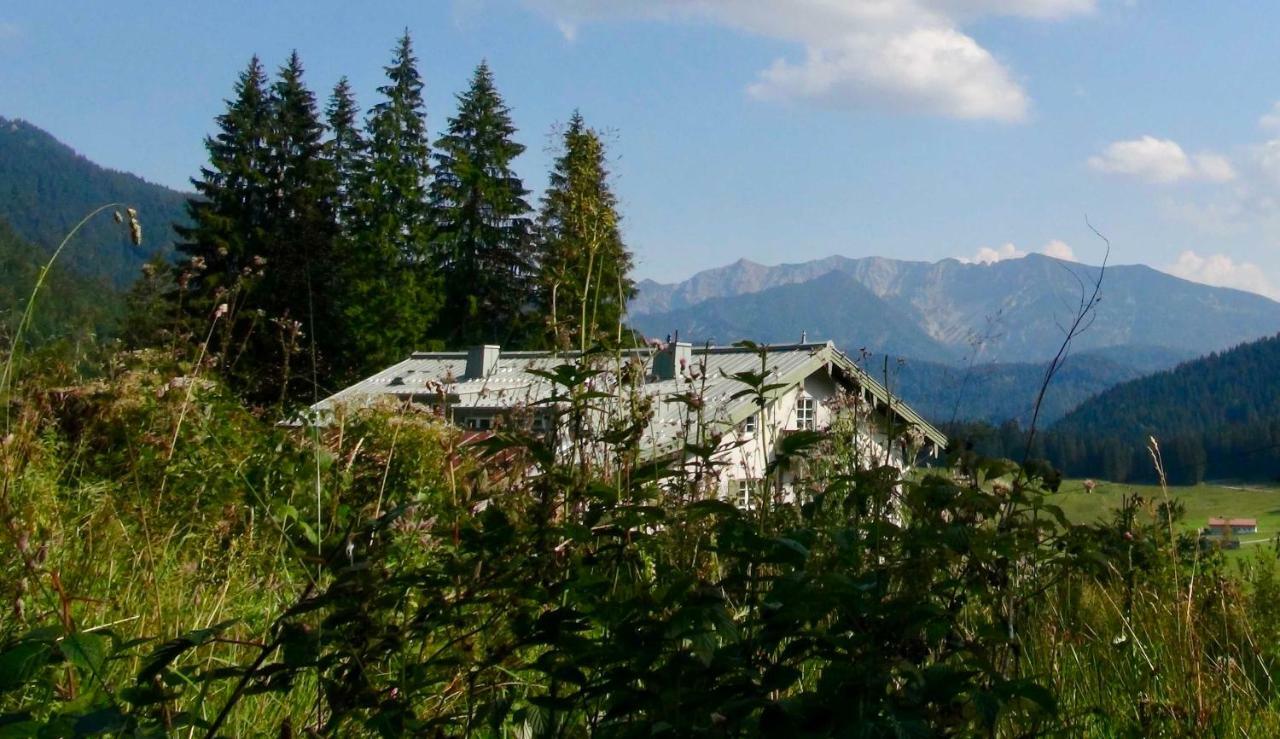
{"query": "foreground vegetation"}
(177, 564)
(178, 561)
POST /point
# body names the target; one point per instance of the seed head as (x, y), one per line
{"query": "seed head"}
(221, 311)
(135, 227)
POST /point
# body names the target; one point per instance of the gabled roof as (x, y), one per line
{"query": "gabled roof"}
(514, 381)
(1216, 522)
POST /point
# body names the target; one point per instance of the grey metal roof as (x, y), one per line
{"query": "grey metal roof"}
(513, 382)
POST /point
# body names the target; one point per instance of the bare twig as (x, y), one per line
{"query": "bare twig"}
(1082, 320)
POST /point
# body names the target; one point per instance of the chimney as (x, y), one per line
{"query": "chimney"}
(481, 361)
(668, 363)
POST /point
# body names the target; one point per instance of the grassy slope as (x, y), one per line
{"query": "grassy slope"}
(1201, 501)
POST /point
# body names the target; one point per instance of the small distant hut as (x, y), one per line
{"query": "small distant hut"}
(1221, 526)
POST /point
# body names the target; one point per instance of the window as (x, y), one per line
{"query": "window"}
(480, 423)
(805, 416)
(742, 494)
(749, 425)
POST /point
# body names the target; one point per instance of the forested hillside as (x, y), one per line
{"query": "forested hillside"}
(46, 188)
(1216, 417)
(68, 306)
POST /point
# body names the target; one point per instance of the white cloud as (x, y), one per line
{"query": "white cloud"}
(1213, 167)
(1059, 250)
(987, 255)
(1161, 161)
(935, 71)
(1222, 271)
(1270, 121)
(903, 55)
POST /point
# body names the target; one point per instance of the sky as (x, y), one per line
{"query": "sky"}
(771, 130)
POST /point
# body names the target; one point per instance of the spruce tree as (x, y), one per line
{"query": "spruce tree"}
(229, 213)
(261, 243)
(584, 266)
(483, 231)
(390, 293)
(297, 287)
(345, 148)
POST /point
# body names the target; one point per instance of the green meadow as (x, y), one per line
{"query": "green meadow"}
(1201, 502)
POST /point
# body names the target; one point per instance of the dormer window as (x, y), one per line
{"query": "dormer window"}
(806, 417)
(749, 425)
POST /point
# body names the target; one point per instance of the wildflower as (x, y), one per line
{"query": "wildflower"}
(220, 312)
(148, 270)
(197, 263)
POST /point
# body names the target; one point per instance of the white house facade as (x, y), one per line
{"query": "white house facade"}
(807, 387)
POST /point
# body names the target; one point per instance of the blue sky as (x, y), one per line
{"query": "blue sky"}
(776, 131)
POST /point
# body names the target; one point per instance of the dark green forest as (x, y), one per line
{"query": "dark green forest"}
(1217, 417)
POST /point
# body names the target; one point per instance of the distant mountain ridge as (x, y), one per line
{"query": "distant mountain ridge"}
(1009, 311)
(785, 312)
(46, 188)
(1003, 391)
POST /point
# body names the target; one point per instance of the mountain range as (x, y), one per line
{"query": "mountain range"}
(953, 312)
(968, 341)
